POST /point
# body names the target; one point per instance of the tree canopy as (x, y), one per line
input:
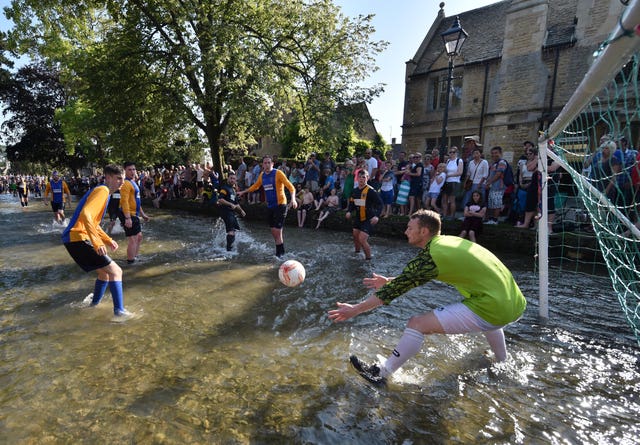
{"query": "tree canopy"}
(140, 76)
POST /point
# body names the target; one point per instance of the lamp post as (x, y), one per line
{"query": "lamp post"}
(453, 39)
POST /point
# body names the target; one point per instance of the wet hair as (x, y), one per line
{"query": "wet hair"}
(129, 164)
(363, 173)
(112, 169)
(428, 219)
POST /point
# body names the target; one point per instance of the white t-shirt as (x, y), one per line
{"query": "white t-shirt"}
(435, 187)
(478, 171)
(371, 163)
(452, 168)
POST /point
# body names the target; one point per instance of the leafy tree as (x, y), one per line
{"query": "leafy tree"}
(31, 131)
(230, 68)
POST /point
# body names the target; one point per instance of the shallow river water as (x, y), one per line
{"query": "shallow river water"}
(220, 352)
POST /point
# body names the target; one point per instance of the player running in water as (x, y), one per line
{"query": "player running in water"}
(58, 189)
(87, 243)
(228, 205)
(274, 183)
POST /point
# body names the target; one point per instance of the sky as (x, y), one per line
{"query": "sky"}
(402, 23)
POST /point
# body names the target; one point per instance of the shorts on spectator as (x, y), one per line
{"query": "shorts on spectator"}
(387, 197)
(495, 199)
(450, 188)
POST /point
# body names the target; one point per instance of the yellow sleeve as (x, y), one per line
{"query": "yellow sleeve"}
(256, 185)
(91, 215)
(127, 194)
(65, 191)
(47, 190)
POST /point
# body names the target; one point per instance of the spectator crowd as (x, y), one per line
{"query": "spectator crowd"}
(471, 184)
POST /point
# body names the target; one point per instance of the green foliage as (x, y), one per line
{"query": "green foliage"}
(292, 141)
(147, 72)
(31, 131)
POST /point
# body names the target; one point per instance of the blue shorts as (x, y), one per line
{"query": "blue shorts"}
(387, 197)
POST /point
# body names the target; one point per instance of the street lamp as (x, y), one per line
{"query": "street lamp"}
(453, 39)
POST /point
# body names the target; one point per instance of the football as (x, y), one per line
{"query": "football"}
(291, 273)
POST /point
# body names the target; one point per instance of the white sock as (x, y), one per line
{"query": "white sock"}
(408, 346)
(497, 343)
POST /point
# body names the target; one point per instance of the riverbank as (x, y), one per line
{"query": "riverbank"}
(500, 237)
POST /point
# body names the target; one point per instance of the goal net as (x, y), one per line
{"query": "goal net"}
(593, 141)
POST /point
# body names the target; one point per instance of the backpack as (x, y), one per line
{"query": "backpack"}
(508, 174)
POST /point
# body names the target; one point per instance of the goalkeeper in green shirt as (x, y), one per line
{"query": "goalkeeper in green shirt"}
(492, 298)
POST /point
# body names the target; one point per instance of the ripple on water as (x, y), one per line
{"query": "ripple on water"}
(226, 354)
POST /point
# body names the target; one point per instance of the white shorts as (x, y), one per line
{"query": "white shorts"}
(458, 319)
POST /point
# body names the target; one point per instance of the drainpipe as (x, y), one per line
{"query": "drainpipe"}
(484, 97)
(553, 87)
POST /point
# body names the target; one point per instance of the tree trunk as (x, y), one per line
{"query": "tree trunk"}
(217, 155)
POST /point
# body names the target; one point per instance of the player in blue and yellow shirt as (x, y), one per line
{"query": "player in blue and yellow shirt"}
(274, 182)
(131, 212)
(491, 300)
(87, 243)
(58, 189)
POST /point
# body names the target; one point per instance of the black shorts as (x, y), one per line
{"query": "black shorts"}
(276, 216)
(363, 226)
(57, 206)
(450, 188)
(86, 257)
(135, 226)
(230, 221)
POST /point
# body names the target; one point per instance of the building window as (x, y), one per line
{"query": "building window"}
(438, 91)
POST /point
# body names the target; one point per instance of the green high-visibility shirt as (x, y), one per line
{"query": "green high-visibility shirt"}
(486, 284)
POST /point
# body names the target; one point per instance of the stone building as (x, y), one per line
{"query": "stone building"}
(520, 64)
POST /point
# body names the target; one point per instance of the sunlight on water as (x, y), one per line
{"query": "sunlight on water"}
(218, 351)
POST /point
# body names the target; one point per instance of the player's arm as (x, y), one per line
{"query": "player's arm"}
(66, 191)
(255, 186)
(346, 311)
(224, 203)
(374, 205)
(126, 191)
(47, 190)
(91, 215)
(292, 190)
